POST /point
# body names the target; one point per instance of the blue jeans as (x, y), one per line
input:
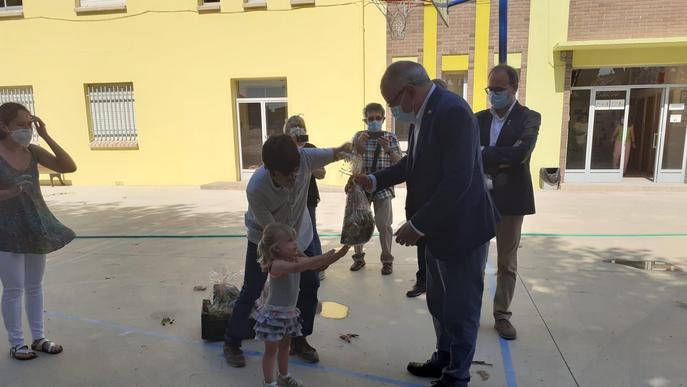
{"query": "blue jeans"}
(454, 298)
(316, 244)
(239, 326)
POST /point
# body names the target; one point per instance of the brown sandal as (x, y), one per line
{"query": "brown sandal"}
(46, 346)
(22, 352)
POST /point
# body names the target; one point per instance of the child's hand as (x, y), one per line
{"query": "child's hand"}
(342, 252)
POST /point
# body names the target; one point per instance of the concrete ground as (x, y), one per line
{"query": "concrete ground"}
(581, 321)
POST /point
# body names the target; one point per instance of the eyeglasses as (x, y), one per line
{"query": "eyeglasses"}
(391, 102)
(494, 89)
(375, 118)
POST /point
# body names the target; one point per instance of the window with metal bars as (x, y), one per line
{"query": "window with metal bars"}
(22, 95)
(5, 4)
(112, 116)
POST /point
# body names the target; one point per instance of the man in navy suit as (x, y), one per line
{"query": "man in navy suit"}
(508, 135)
(447, 205)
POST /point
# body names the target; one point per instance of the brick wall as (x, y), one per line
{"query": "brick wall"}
(626, 19)
(518, 35)
(411, 44)
(458, 38)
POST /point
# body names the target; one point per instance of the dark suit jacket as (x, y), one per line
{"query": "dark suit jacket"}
(508, 163)
(447, 199)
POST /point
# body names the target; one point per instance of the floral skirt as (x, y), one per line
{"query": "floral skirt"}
(273, 323)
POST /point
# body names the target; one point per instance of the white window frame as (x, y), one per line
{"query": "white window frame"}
(11, 10)
(112, 125)
(86, 6)
(205, 5)
(22, 95)
(252, 4)
(263, 101)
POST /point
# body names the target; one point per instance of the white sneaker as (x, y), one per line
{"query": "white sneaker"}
(288, 381)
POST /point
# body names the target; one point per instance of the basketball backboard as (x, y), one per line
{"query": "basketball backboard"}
(442, 9)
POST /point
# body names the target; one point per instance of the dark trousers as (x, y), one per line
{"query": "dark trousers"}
(454, 298)
(239, 328)
(316, 244)
(421, 275)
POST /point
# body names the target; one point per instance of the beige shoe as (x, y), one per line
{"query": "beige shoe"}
(505, 329)
(358, 262)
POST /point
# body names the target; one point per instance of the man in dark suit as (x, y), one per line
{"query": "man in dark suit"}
(447, 204)
(508, 135)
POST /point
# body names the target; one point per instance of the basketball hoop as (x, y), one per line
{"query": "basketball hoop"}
(396, 13)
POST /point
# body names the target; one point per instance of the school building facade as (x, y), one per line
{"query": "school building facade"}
(184, 92)
(609, 77)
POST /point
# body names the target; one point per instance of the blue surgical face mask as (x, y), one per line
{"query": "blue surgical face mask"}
(499, 99)
(400, 115)
(22, 136)
(374, 126)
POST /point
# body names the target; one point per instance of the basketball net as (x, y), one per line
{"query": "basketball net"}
(396, 13)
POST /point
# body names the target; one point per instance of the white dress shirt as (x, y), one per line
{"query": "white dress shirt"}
(416, 134)
(497, 124)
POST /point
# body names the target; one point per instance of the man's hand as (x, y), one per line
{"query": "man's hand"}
(319, 173)
(364, 181)
(340, 152)
(407, 236)
(384, 143)
(361, 139)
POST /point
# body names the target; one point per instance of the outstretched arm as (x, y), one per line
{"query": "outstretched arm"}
(281, 267)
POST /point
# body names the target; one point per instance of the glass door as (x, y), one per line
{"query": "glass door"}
(608, 135)
(671, 160)
(258, 118)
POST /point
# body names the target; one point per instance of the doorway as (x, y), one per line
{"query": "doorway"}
(262, 108)
(641, 144)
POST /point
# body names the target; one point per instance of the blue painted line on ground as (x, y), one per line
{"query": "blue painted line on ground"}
(125, 329)
(508, 368)
(340, 371)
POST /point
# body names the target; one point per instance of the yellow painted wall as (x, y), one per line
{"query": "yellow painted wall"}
(182, 64)
(548, 26)
(455, 62)
(627, 57)
(429, 52)
(481, 56)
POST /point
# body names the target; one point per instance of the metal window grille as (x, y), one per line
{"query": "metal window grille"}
(10, 3)
(112, 112)
(22, 95)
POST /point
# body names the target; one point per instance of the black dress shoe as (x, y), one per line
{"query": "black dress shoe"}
(425, 370)
(438, 383)
(416, 291)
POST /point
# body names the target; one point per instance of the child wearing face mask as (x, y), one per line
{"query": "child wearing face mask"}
(28, 230)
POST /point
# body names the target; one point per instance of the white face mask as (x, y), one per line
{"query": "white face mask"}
(22, 136)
